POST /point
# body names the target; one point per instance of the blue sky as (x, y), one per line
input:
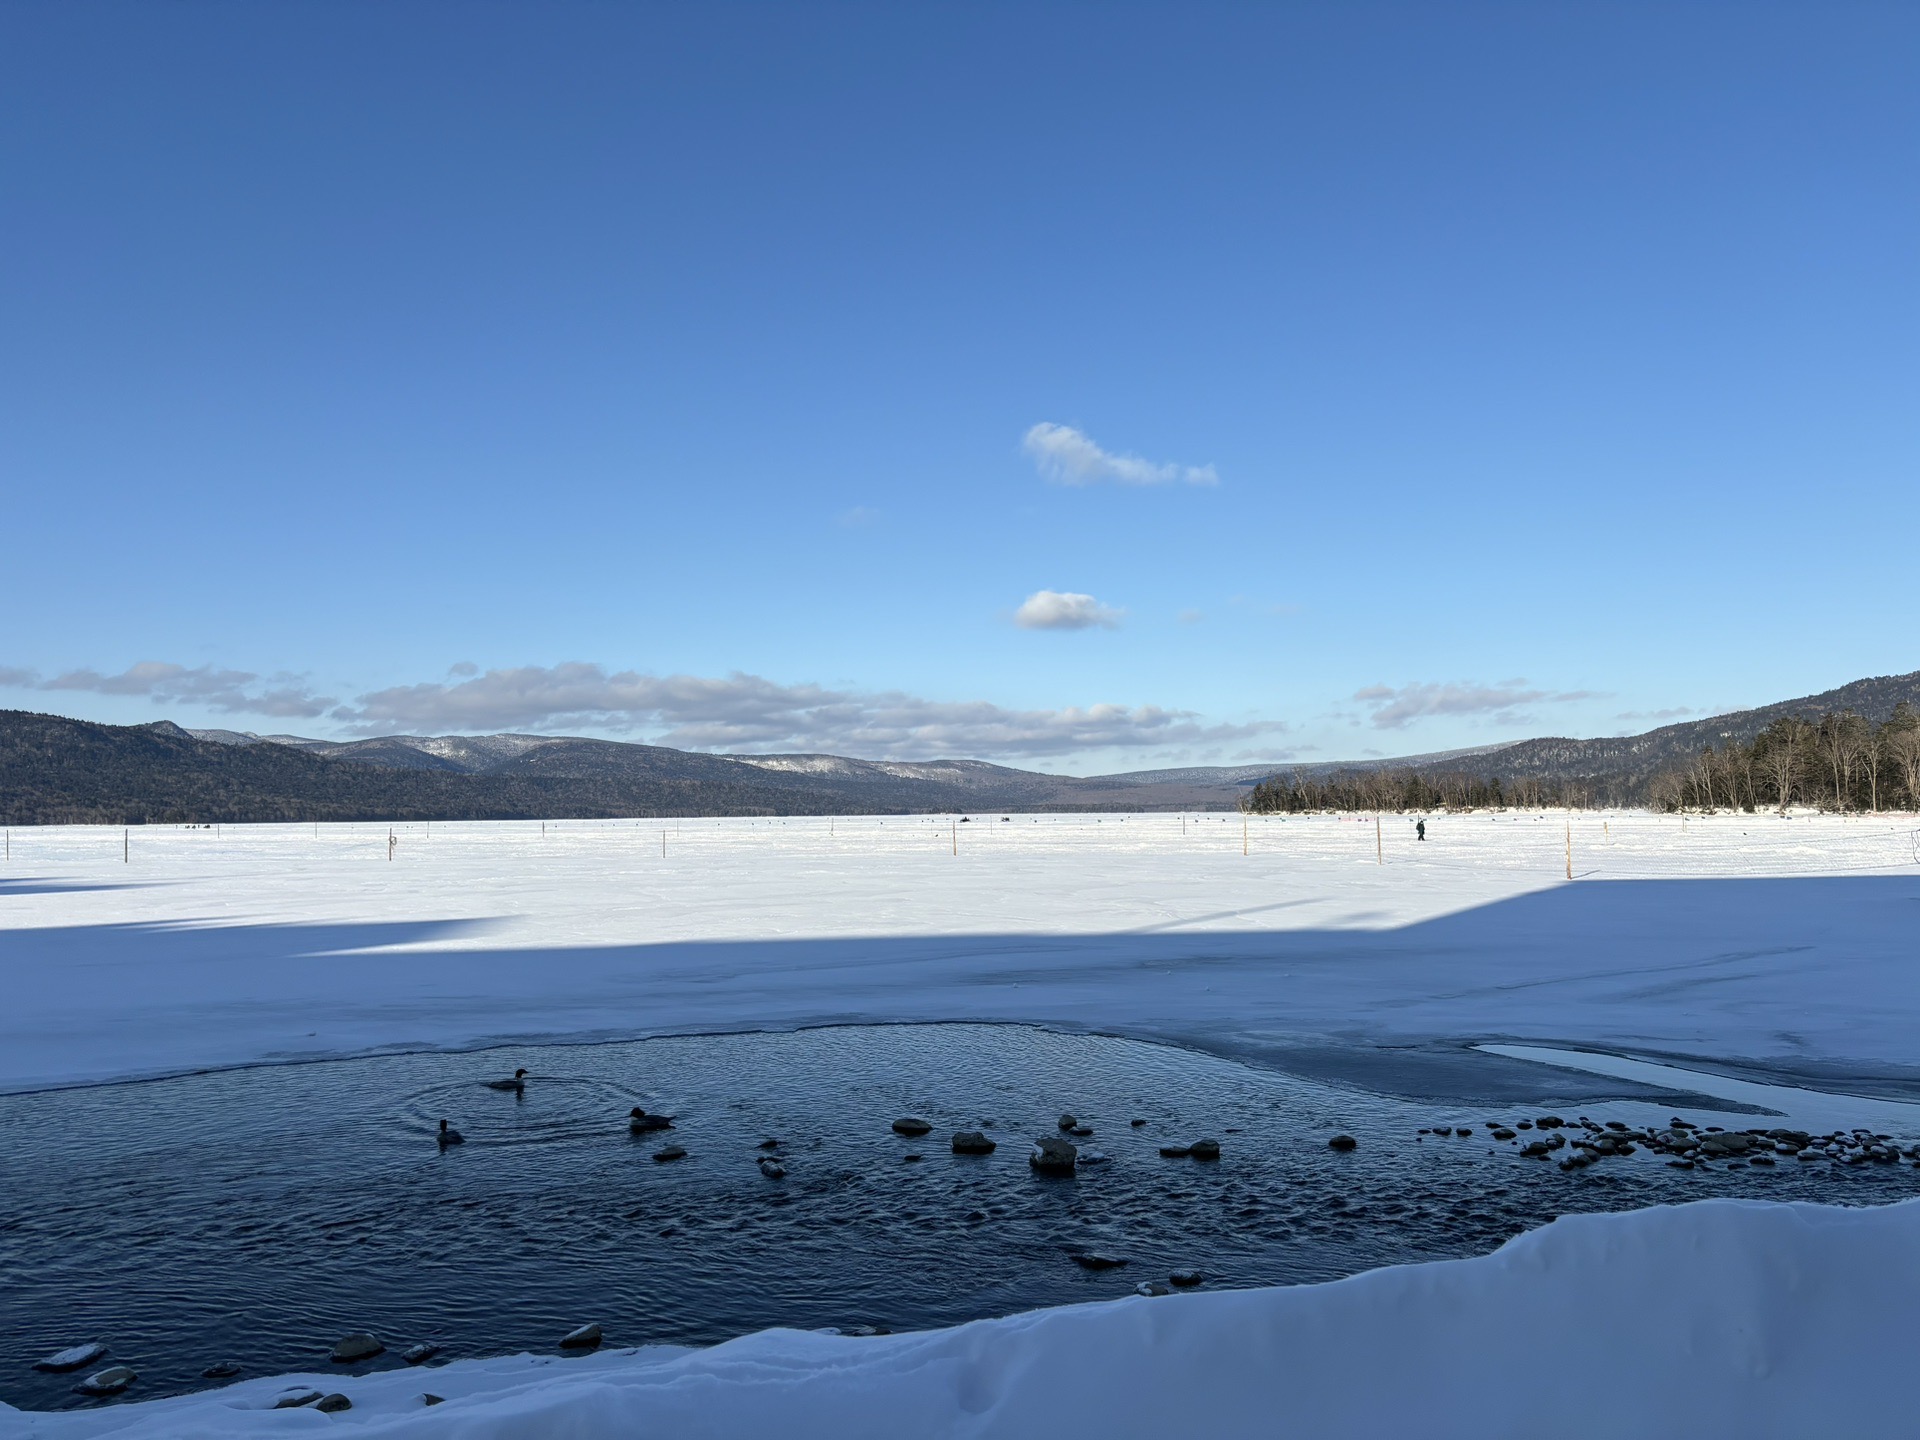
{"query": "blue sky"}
(1080, 387)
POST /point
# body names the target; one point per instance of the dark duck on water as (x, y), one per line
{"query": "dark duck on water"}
(517, 1083)
(450, 1136)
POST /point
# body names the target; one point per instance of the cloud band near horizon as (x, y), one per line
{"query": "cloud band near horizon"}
(738, 712)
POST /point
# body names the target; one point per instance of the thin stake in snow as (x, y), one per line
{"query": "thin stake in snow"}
(1243, 834)
(1379, 845)
(392, 840)
(1569, 849)
(126, 848)
(954, 826)
(663, 844)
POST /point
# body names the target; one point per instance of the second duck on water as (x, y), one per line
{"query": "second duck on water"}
(517, 1083)
(640, 1123)
(450, 1136)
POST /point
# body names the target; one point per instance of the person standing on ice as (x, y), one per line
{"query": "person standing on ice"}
(1420, 829)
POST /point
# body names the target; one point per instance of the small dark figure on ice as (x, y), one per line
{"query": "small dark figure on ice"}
(1420, 829)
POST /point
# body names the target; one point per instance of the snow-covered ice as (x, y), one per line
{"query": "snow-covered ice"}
(1723, 1317)
(1787, 943)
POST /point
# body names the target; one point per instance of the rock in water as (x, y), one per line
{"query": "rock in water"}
(585, 1338)
(222, 1370)
(110, 1381)
(356, 1347)
(1053, 1157)
(421, 1353)
(294, 1399)
(1152, 1287)
(1176, 1152)
(910, 1125)
(670, 1152)
(1067, 1122)
(1205, 1149)
(773, 1169)
(1343, 1142)
(1094, 1157)
(333, 1404)
(1186, 1278)
(1094, 1260)
(72, 1358)
(971, 1142)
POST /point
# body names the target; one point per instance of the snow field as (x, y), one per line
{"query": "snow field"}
(1754, 937)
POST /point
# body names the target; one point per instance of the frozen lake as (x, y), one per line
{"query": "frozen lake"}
(1766, 945)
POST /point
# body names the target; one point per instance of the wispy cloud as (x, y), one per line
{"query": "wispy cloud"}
(858, 518)
(1678, 712)
(1064, 610)
(750, 714)
(1395, 709)
(1065, 456)
(233, 692)
(1191, 617)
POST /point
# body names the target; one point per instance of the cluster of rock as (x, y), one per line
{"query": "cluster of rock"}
(1689, 1146)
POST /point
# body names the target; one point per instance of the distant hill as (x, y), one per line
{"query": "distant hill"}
(59, 771)
(1622, 767)
(55, 770)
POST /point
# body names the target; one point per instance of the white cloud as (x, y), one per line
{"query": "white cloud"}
(1064, 610)
(1065, 456)
(1191, 617)
(234, 692)
(1395, 709)
(750, 714)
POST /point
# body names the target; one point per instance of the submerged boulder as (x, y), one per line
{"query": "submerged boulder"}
(911, 1125)
(585, 1338)
(972, 1142)
(356, 1347)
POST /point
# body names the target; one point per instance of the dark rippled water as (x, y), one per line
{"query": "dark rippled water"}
(256, 1216)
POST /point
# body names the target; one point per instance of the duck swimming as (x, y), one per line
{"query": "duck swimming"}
(450, 1136)
(640, 1123)
(517, 1083)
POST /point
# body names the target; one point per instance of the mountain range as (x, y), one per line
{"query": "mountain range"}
(55, 770)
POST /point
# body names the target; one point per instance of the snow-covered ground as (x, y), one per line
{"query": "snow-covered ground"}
(1790, 943)
(1718, 1318)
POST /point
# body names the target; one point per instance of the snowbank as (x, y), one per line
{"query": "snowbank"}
(1718, 1318)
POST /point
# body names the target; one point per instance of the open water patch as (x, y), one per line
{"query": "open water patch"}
(253, 1217)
